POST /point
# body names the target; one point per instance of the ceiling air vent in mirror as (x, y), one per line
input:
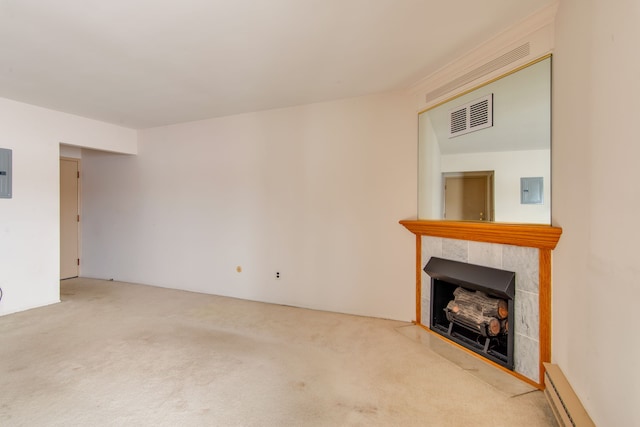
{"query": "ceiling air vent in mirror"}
(475, 115)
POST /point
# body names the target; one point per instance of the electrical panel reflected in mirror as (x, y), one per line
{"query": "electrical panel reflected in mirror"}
(500, 131)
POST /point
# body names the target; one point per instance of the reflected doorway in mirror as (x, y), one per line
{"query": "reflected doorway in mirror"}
(468, 196)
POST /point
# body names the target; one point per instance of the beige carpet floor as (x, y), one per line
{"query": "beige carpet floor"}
(117, 354)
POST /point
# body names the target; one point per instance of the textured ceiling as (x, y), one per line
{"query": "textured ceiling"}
(145, 63)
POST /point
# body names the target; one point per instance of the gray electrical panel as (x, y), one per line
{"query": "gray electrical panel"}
(5, 173)
(531, 191)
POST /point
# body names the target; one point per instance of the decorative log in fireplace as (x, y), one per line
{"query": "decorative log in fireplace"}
(473, 306)
(478, 312)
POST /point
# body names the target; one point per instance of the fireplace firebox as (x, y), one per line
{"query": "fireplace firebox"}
(473, 306)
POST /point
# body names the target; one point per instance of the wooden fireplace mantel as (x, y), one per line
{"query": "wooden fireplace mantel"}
(530, 235)
(542, 237)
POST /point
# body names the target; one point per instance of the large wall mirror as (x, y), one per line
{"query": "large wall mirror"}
(486, 155)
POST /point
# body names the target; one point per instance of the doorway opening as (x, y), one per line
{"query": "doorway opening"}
(468, 196)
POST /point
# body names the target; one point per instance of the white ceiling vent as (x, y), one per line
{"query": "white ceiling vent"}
(502, 61)
(475, 115)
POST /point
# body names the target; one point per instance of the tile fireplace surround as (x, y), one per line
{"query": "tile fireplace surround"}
(522, 248)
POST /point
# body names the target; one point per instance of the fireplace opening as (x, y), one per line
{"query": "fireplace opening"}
(473, 306)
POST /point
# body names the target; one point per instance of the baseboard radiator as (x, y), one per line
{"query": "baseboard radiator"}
(564, 402)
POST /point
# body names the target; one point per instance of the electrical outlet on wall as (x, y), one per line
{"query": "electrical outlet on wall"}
(277, 274)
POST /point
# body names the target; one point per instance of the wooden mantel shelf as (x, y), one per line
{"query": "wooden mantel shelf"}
(530, 235)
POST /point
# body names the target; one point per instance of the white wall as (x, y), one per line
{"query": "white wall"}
(430, 203)
(314, 192)
(29, 222)
(596, 200)
(509, 167)
(70, 151)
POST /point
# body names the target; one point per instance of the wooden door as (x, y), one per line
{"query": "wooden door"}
(69, 218)
(467, 197)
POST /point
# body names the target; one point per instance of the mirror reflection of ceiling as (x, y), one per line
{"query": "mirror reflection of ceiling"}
(520, 115)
